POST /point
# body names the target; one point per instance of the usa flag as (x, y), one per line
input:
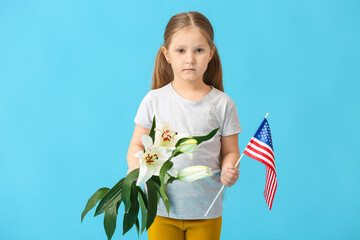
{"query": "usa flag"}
(260, 148)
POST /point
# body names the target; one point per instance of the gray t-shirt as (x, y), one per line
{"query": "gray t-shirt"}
(190, 200)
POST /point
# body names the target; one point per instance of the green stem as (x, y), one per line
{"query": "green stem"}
(174, 153)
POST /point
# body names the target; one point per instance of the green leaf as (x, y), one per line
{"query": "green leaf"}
(170, 180)
(152, 131)
(164, 169)
(93, 200)
(143, 195)
(126, 190)
(110, 221)
(158, 191)
(117, 206)
(113, 196)
(156, 179)
(131, 216)
(143, 205)
(137, 226)
(201, 139)
(152, 202)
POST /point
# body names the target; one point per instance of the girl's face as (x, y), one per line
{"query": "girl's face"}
(189, 54)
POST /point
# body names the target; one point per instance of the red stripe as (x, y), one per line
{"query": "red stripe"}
(265, 191)
(271, 192)
(266, 180)
(262, 147)
(270, 185)
(270, 179)
(259, 159)
(260, 153)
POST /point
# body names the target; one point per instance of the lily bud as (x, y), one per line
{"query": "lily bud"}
(188, 146)
(194, 173)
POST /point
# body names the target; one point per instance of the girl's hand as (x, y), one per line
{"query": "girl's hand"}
(229, 176)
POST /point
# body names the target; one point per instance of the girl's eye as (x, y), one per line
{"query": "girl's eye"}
(199, 50)
(180, 50)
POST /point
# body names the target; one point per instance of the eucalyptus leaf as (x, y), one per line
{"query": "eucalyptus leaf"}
(113, 196)
(131, 216)
(126, 190)
(110, 221)
(93, 200)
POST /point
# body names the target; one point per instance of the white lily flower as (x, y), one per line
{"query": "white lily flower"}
(194, 173)
(150, 161)
(188, 147)
(167, 136)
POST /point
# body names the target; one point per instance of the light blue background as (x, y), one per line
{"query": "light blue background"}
(72, 74)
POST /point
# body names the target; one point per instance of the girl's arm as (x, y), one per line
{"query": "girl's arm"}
(135, 146)
(230, 155)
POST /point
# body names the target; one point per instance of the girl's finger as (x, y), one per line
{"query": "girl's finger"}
(234, 172)
(231, 177)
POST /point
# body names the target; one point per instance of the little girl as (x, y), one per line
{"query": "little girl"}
(187, 93)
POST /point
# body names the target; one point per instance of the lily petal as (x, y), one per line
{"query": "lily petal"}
(139, 154)
(146, 141)
(188, 146)
(144, 175)
(194, 173)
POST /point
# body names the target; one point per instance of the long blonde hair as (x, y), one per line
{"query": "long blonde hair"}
(163, 73)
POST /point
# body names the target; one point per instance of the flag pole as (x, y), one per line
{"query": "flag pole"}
(223, 186)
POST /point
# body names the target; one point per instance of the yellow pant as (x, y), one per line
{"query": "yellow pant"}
(164, 228)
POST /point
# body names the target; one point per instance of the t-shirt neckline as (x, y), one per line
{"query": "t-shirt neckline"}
(189, 101)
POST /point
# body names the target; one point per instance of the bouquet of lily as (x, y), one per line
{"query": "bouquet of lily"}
(156, 171)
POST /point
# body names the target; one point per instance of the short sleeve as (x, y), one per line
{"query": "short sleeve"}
(231, 124)
(143, 115)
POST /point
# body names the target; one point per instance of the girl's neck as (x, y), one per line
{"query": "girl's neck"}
(189, 86)
(192, 91)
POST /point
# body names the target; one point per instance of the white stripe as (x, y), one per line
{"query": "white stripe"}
(272, 189)
(263, 144)
(272, 192)
(268, 177)
(260, 156)
(262, 150)
(267, 180)
(271, 185)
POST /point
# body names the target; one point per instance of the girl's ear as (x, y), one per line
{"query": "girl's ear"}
(166, 54)
(212, 52)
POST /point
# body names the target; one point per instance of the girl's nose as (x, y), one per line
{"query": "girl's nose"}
(190, 58)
